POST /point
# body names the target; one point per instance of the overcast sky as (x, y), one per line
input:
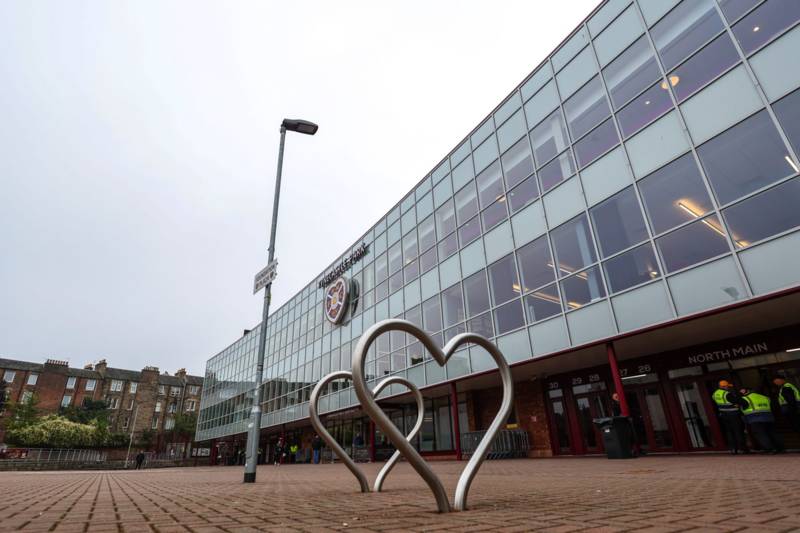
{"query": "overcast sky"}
(138, 145)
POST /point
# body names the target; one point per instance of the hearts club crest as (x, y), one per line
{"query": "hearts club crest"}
(336, 298)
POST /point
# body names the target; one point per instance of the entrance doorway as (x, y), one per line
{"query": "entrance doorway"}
(591, 401)
(648, 414)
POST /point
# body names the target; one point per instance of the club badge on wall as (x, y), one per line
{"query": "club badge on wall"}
(336, 298)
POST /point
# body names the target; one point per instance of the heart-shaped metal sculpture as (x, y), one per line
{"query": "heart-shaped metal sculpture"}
(441, 355)
(313, 413)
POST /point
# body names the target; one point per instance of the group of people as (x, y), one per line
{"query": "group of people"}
(747, 407)
(291, 452)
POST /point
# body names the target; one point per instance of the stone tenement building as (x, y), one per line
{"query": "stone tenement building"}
(148, 396)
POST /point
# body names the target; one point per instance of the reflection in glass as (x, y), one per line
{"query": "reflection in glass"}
(631, 72)
(469, 231)
(733, 9)
(503, 280)
(494, 214)
(395, 258)
(448, 246)
(587, 108)
(490, 184)
(427, 260)
(427, 234)
(476, 293)
(445, 219)
(432, 315)
(517, 163)
(542, 303)
(765, 214)
(788, 113)
(674, 194)
(535, 264)
(573, 247)
(684, 30)
(466, 203)
(523, 194)
(482, 325)
(692, 244)
(745, 158)
(395, 282)
(508, 317)
(631, 268)
(411, 271)
(767, 20)
(599, 141)
(582, 288)
(618, 222)
(410, 250)
(703, 67)
(643, 110)
(452, 305)
(556, 171)
(549, 138)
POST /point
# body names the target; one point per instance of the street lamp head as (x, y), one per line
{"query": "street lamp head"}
(300, 126)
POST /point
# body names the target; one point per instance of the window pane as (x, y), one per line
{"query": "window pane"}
(674, 194)
(503, 280)
(494, 214)
(549, 138)
(445, 219)
(557, 171)
(582, 288)
(448, 246)
(747, 157)
(490, 185)
(598, 142)
(452, 305)
(469, 231)
(618, 222)
(395, 282)
(476, 292)
(587, 108)
(692, 244)
(542, 303)
(768, 19)
(508, 317)
(381, 272)
(631, 268)
(410, 250)
(485, 153)
(631, 72)
(535, 264)
(432, 315)
(466, 203)
(427, 260)
(395, 258)
(688, 27)
(517, 163)
(427, 235)
(523, 194)
(733, 9)
(645, 109)
(765, 214)
(482, 325)
(573, 245)
(788, 113)
(704, 66)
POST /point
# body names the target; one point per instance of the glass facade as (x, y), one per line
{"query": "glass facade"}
(655, 150)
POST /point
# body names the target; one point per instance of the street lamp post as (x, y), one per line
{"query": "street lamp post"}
(254, 428)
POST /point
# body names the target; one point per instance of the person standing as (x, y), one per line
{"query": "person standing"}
(316, 447)
(757, 412)
(280, 446)
(139, 460)
(293, 452)
(730, 418)
(789, 400)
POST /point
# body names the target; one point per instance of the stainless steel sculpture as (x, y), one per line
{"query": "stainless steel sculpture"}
(313, 413)
(441, 355)
(401, 442)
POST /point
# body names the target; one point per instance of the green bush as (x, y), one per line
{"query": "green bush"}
(54, 432)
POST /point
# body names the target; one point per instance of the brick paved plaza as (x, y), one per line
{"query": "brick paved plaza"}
(678, 493)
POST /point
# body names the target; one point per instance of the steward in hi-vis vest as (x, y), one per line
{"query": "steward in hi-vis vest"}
(757, 411)
(730, 418)
(789, 400)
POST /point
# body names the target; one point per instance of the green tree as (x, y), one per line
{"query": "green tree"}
(55, 432)
(185, 426)
(146, 439)
(88, 411)
(22, 414)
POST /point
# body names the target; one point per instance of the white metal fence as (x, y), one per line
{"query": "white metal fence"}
(53, 455)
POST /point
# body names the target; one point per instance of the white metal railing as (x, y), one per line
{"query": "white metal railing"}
(54, 455)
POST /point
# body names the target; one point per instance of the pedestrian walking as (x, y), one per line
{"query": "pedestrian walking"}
(757, 411)
(728, 401)
(316, 447)
(789, 400)
(139, 460)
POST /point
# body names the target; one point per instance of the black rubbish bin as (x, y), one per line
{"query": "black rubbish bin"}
(617, 436)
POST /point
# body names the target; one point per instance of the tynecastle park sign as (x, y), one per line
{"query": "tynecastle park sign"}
(345, 265)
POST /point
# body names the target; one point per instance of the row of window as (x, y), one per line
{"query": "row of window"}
(90, 384)
(114, 402)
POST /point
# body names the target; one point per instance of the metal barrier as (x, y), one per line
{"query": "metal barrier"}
(54, 455)
(510, 443)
